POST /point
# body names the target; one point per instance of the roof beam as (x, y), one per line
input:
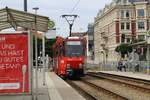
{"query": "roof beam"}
(10, 19)
(14, 18)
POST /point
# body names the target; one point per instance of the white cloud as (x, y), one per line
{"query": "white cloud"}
(86, 9)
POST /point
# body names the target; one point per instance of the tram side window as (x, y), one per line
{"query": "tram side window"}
(57, 52)
(61, 51)
(84, 50)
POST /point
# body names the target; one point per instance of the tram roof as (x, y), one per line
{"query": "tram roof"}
(74, 37)
(14, 18)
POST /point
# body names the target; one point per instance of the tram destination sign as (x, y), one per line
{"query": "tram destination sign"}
(14, 63)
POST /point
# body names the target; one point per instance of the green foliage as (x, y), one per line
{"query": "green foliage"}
(123, 49)
(130, 49)
(48, 46)
(39, 47)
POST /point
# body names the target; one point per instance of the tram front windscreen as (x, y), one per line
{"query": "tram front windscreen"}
(74, 49)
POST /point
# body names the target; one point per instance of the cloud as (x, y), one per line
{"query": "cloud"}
(86, 9)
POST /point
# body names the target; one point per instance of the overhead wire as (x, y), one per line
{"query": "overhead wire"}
(75, 6)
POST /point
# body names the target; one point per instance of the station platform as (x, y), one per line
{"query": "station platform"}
(129, 74)
(55, 89)
(59, 89)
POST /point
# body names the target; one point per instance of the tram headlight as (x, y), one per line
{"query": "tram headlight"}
(68, 66)
(80, 65)
(62, 61)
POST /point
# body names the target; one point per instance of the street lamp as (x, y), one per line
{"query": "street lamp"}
(43, 50)
(70, 19)
(25, 5)
(35, 8)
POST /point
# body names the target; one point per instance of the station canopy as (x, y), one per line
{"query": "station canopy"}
(13, 18)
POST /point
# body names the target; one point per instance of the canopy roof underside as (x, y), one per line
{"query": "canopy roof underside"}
(13, 18)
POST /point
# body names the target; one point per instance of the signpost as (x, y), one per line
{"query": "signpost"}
(14, 67)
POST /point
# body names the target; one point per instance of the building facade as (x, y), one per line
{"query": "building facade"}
(122, 21)
(90, 34)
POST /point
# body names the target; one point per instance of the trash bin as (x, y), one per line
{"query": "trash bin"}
(145, 69)
(148, 70)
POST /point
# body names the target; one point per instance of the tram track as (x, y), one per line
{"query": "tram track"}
(140, 84)
(130, 88)
(87, 95)
(92, 91)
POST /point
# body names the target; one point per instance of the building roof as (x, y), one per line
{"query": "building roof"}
(118, 2)
(80, 34)
(14, 18)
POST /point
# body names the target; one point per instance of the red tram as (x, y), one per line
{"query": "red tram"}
(69, 56)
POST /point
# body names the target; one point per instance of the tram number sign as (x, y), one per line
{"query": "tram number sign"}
(14, 63)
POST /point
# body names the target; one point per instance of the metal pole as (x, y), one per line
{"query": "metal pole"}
(100, 61)
(70, 27)
(43, 41)
(25, 5)
(148, 59)
(70, 19)
(36, 54)
(36, 68)
(30, 55)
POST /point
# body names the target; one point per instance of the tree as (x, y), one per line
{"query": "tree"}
(48, 46)
(123, 49)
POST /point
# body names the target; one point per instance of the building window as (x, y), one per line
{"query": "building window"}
(140, 12)
(123, 38)
(128, 26)
(124, 1)
(128, 40)
(122, 14)
(141, 25)
(141, 37)
(122, 26)
(127, 14)
(149, 12)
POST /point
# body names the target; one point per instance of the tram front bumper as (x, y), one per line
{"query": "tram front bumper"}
(75, 72)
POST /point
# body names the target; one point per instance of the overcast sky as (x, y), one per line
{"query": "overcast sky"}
(86, 9)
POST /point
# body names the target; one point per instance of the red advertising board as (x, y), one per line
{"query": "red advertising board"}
(14, 71)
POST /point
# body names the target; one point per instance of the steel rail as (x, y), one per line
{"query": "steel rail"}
(85, 93)
(132, 82)
(119, 97)
(98, 88)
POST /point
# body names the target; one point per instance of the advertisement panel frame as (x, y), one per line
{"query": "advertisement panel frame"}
(30, 59)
